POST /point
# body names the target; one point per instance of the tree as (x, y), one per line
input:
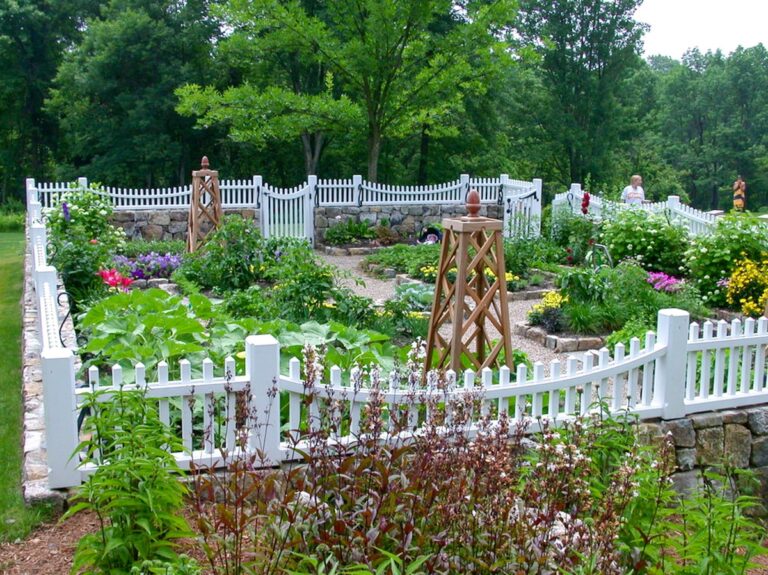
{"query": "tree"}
(33, 37)
(587, 49)
(114, 95)
(406, 64)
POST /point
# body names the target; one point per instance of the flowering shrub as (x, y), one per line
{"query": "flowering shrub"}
(573, 233)
(712, 258)
(82, 241)
(663, 282)
(747, 288)
(648, 238)
(549, 313)
(148, 266)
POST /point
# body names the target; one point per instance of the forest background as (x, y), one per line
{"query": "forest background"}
(133, 92)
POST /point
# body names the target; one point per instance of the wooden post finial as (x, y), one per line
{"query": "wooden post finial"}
(473, 203)
(204, 163)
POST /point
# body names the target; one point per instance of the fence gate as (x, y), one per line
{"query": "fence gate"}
(289, 212)
(521, 202)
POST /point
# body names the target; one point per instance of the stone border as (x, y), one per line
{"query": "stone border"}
(558, 343)
(34, 480)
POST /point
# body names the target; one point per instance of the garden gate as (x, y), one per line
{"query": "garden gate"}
(289, 212)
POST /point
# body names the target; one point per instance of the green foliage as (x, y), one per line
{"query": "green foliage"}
(523, 254)
(151, 326)
(12, 222)
(635, 327)
(135, 248)
(713, 257)
(650, 239)
(236, 256)
(605, 299)
(349, 232)
(574, 233)
(135, 492)
(82, 241)
(407, 259)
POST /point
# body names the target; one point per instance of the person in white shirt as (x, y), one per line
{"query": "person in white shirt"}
(634, 193)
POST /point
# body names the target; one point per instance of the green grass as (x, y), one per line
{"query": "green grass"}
(16, 520)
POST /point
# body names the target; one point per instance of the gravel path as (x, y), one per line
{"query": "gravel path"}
(383, 289)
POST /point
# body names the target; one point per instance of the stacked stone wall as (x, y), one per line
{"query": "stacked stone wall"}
(164, 224)
(408, 221)
(738, 436)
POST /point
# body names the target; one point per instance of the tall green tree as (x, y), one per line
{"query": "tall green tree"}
(33, 37)
(587, 49)
(114, 95)
(405, 64)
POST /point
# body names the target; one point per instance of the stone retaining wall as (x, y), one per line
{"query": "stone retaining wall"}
(408, 221)
(164, 224)
(739, 436)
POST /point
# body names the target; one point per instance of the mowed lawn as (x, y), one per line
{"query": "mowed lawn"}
(15, 519)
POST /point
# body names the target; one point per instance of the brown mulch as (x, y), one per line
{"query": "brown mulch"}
(49, 549)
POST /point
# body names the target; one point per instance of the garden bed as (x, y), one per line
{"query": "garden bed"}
(559, 343)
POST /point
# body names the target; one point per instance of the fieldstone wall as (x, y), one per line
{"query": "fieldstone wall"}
(408, 221)
(164, 224)
(739, 436)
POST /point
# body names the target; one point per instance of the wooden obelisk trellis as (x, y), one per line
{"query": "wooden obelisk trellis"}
(472, 303)
(204, 206)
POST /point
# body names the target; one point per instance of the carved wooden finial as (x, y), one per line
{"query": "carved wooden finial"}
(204, 163)
(473, 203)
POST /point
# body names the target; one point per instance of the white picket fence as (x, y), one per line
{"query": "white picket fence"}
(681, 369)
(696, 221)
(290, 211)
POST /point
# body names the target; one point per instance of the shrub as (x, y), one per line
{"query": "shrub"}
(135, 492)
(548, 313)
(650, 239)
(712, 258)
(348, 232)
(136, 248)
(406, 259)
(584, 498)
(573, 233)
(82, 241)
(747, 288)
(523, 254)
(12, 222)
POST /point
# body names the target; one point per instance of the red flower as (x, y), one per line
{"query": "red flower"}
(94, 241)
(115, 280)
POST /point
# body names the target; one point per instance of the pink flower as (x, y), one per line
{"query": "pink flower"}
(115, 280)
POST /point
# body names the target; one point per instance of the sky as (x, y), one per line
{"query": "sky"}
(677, 25)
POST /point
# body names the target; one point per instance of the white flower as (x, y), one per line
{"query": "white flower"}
(703, 250)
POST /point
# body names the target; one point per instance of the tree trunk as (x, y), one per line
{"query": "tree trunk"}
(421, 177)
(313, 148)
(374, 149)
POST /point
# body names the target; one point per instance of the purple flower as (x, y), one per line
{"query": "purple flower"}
(664, 282)
(65, 211)
(723, 283)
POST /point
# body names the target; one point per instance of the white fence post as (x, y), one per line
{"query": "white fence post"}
(464, 179)
(82, 183)
(309, 209)
(255, 198)
(61, 440)
(357, 184)
(31, 191)
(673, 202)
(535, 223)
(669, 375)
(262, 368)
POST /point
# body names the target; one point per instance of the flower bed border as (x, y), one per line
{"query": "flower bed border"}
(559, 343)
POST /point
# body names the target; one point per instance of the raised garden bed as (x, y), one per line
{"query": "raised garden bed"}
(560, 343)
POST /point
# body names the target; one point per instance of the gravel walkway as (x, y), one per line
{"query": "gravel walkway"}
(383, 289)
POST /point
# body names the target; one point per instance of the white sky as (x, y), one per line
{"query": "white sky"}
(677, 25)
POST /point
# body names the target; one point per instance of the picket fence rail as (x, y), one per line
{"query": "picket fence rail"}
(680, 369)
(696, 221)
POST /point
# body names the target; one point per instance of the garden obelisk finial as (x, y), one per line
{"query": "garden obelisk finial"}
(473, 249)
(205, 205)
